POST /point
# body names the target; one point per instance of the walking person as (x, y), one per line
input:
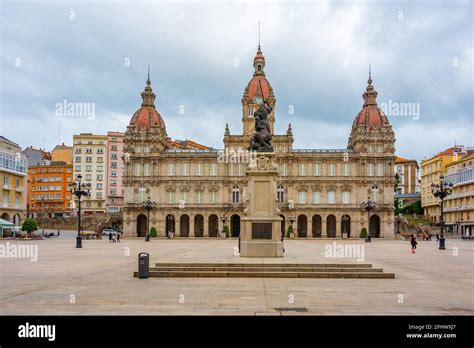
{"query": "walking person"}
(437, 237)
(413, 244)
(110, 237)
(118, 237)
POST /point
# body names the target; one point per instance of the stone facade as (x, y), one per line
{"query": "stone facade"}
(322, 188)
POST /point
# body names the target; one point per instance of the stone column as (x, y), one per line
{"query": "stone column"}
(161, 227)
(338, 227)
(324, 233)
(177, 227)
(220, 226)
(310, 227)
(205, 225)
(191, 226)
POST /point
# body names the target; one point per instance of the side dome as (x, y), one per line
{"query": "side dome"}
(370, 117)
(147, 116)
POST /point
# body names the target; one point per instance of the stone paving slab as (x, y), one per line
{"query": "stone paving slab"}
(97, 279)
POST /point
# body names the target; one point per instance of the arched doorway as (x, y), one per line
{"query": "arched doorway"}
(141, 225)
(199, 225)
(302, 226)
(317, 226)
(213, 227)
(331, 226)
(235, 225)
(170, 224)
(6, 217)
(374, 226)
(184, 225)
(346, 225)
(17, 219)
(283, 227)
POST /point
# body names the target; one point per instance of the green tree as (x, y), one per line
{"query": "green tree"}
(363, 232)
(153, 232)
(29, 225)
(290, 231)
(226, 231)
(414, 208)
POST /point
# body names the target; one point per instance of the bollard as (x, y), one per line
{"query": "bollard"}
(143, 265)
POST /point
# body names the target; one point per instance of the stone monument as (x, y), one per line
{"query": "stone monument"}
(261, 224)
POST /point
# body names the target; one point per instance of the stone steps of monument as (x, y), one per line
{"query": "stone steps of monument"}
(264, 269)
(266, 274)
(282, 265)
(267, 270)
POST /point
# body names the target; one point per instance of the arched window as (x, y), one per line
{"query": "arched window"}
(141, 193)
(280, 193)
(235, 194)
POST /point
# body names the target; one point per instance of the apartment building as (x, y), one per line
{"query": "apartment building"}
(13, 178)
(49, 190)
(114, 201)
(90, 161)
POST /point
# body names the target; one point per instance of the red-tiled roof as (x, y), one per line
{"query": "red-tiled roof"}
(253, 87)
(370, 116)
(147, 116)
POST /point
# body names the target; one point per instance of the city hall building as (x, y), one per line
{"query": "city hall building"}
(198, 191)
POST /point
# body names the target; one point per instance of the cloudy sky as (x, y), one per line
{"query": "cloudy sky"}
(201, 53)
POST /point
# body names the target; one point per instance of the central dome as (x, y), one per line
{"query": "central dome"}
(254, 86)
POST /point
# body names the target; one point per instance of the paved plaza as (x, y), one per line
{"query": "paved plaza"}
(97, 280)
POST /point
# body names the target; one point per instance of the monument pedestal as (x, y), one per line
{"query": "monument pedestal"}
(261, 224)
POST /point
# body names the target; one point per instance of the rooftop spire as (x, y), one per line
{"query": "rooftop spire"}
(147, 95)
(370, 93)
(259, 60)
(259, 36)
(148, 82)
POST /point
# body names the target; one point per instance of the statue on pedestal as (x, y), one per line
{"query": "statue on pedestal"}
(261, 139)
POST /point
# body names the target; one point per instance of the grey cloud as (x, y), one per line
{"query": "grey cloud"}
(192, 64)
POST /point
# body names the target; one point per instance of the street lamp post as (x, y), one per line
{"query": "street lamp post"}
(398, 220)
(441, 190)
(80, 190)
(223, 219)
(368, 205)
(148, 205)
(292, 219)
(345, 219)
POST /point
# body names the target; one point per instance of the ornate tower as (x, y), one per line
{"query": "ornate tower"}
(371, 131)
(146, 132)
(257, 90)
(145, 140)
